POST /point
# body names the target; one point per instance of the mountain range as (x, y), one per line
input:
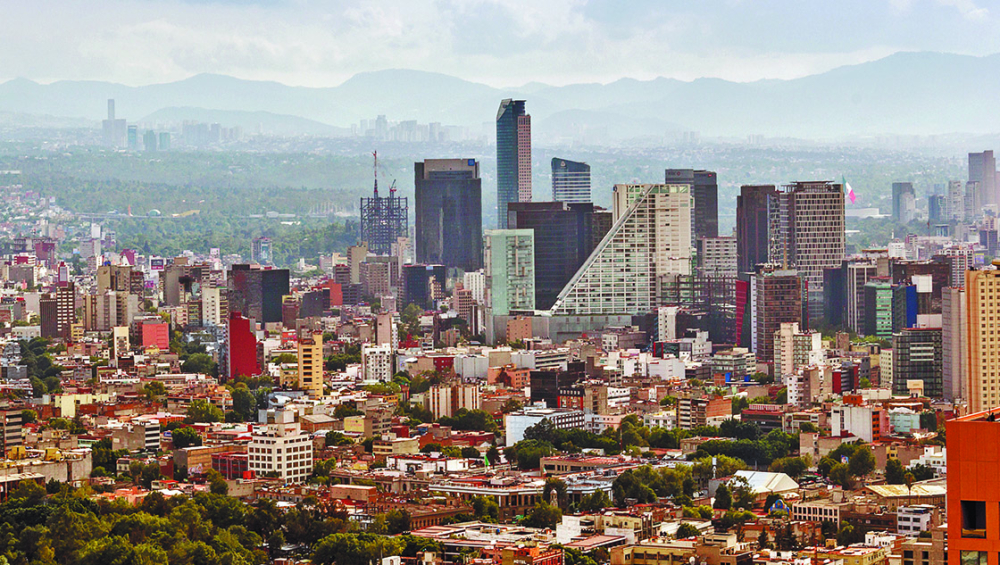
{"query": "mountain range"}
(906, 93)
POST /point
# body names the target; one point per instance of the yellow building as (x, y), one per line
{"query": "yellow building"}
(310, 352)
(383, 448)
(982, 295)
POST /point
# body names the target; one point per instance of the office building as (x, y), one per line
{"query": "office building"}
(982, 299)
(973, 201)
(260, 251)
(917, 356)
(564, 238)
(163, 142)
(513, 157)
(752, 232)
(257, 292)
(510, 271)
(983, 170)
(776, 296)
(449, 225)
(954, 367)
(717, 256)
(904, 202)
(310, 364)
(281, 448)
(241, 348)
(705, 190)
(57, 311)
(973, 491)
(651, 239)
(955, 201)
(937, 208)
(419, 282)
(794, 348)
(886, 306)
(570, 181)
(149, 141)
(113, 129)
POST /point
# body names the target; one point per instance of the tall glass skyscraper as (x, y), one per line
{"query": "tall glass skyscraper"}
(513, 157)
(570, 181)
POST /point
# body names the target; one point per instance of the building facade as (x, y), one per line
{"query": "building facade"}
(570, 181)
(449, 213)
(513, 157)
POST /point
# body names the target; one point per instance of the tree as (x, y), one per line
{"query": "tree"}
(201, 410)
(895, 474)
(794, 467)
(723, 498)
(154, 390)
(686, 530)
(346, 410)
(486, 509)
(862, 463)
(493, 455)
(217, 484)
(397, 521)
(185, 437)
(471, 453)
(244, 403)
(29, 416)
(763, 541)
(333, 439)
(595, 502)
(201, 363)
(841, 475)
(543, 515)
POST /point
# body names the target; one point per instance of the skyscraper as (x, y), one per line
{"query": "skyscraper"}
(260, 250)
(752, 232)
(982, 302)
(983, 169)
(513, 157)
(510, 270)
(916, 356)
(705, 190)
(776, 297)
(570, 181)
(903, 202)
(954, 366)
(815, 237)
(113, 129)
(564, 238)
(651, 238)
(956, 201)
(384, 219)
(256, 292)
(449, 224)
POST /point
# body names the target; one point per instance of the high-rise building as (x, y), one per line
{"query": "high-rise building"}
(149, 141)
(801, 227)
(954, 367)
(752, 213)
(717, 256)
(113, 128)
(917, 356)
(384, 219)
(376, 363)
(956, 201)
(794, 348)
(57, 311)
(885, 308)
(705, 190)
(281, 448)
(241, 350)
(937, 208)
(449, 225)
(510, 270)
(418, 283)
(447, 399)
(651, 239)
(570, 181)
(973, 201)
(904, 202)
(983, 169)
(777, 296)
(163, 144)
(257, 292)
(310, 364)
(564, 238)
(513, 157)
(982, 299)
(260, 251)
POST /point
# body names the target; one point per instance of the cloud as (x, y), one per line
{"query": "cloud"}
(500, 42)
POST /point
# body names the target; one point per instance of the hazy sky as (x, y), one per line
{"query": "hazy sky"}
(499, 42)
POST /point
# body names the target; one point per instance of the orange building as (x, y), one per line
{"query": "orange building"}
(974, 489)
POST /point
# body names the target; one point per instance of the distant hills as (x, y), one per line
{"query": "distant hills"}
(905, 93)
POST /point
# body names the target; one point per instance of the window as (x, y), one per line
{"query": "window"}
(972, 557)
(973, 520)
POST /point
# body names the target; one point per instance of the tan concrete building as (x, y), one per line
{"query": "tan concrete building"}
(310, 358)
(982, 293)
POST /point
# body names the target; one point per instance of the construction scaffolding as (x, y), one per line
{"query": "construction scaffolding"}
(383, 219)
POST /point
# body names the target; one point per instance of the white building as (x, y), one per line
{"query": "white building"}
(517, 422)
(376, 363)
(476, 282)
(866, 422)
(911, 520)
(281, 447)
(935, 457)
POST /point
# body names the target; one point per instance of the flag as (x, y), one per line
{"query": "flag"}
(486, 460)
(850, 191)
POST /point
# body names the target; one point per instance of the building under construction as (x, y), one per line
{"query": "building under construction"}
(383, 219)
